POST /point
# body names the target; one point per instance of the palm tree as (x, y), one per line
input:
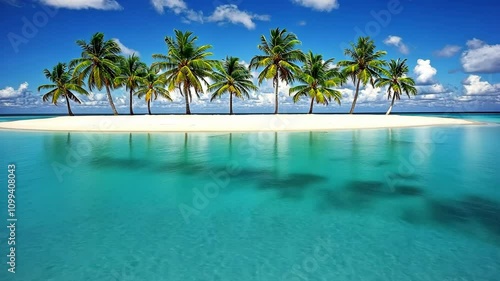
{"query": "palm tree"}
(397, 81)
(63, 85)
(99, 63)
(278, 61)
(186, 65)
(231, 77)
(152, 85)
(131, 72)
(317, 77)
(365, 64)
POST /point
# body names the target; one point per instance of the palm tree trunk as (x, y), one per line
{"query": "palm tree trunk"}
(392, 104)
(276, 93)
(131, 110)
(355, 97)
(149, 106)
(69, 107)
(110, 99)
(311, 108)
(186, 96)
(230, 103)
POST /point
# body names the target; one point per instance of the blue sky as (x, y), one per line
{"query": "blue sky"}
(452, 47)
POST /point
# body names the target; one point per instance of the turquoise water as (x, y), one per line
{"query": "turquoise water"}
(390, 204)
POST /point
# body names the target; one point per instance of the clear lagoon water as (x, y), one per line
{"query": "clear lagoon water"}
(385, 204)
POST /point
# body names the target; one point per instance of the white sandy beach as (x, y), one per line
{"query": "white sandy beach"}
(225, 123)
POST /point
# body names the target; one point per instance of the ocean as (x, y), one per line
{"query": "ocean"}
(380, 204)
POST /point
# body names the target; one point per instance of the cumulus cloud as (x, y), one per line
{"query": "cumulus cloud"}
(448, 51)
(100, 100)
(475, 43)
(84, 4)
(20, 98)
(319, 5)
(397, 41)
(425, 72)
(10, 92)
(474, 86)
(431, 89)
(177, 6)
(368, 96)
(227, 13)
(193, 16)
(481, 57)
(231, 14)
(125, 50)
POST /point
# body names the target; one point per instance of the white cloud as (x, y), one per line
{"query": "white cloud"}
(368, 96)
(474, 86)
(84, 4)
(100, 100)
(475, 43)
(319, 5)
(193, 16)
(9, 92)
(302, 23)
(125, 50)
(481, 57)
(397, 42)
(431, 89)
(231, 13)
(20, 98)
(448, 51)
(371, 94)
(177, 6)
(425, 72)
(228, 13)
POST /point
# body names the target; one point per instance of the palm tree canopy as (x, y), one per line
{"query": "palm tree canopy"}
(131, 72)
(98, 62)
(318, 77)
(63, 85)
(365, 63)
(396, 79)
(186, 64)
(153, 85)
(280, 55)
(231, 77)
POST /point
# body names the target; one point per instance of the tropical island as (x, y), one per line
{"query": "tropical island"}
(187, 68)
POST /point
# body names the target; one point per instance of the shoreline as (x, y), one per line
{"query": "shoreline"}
(227, 123)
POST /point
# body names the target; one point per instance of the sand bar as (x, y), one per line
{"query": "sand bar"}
(226, 123)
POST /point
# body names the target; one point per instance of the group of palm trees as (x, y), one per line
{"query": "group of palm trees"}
(186, 67)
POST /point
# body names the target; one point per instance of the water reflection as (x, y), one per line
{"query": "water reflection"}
(339, 171)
